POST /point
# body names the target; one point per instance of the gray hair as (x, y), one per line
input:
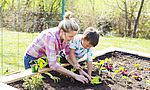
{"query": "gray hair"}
(69, 23)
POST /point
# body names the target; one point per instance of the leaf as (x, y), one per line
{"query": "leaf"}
(116, 71)
(125, 77)
(102, 62)
(107, 60)
(121, 68)
(36, 67)
(73, 70)
(96, 80)
(148, 82)
(56, 79)
(137, 65)
(58, 59)
(102, 68)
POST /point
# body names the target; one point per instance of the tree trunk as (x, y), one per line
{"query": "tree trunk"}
(126, 17)
(137, 20)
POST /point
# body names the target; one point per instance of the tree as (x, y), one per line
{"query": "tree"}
(137, 19)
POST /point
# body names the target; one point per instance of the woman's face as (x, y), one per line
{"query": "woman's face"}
(67, 36)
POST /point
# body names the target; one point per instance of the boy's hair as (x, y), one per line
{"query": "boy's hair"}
(91, 35)
(69, 23)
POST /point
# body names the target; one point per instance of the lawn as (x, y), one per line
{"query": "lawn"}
(13, 45)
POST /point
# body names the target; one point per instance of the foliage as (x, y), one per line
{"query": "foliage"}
(138, 66)
(96, 80)
(104, 26)
(73, 70)
(56, 79)
(148, 82)
(30, 15)
(41, 63)
(34, 82)
(38, 64)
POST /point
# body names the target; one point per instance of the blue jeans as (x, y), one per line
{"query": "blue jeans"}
(27, 61)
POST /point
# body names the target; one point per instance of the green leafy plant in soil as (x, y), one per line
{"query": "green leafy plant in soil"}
(36, 82)
(33, 83)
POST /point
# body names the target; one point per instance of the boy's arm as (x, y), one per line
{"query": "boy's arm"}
(72, 59)
(89, 61)
(90, 67)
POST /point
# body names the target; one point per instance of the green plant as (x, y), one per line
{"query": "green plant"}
(148, 82)
(39, 64)
(121, 68)
(96, 80)
(138, 66)
(73, 70)
(56, 79)
(34, 82)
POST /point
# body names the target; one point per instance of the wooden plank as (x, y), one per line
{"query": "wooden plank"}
(7, 87)
(19, 76)
(147, 55)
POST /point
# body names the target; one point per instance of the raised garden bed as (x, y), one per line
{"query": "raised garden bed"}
(129, 71)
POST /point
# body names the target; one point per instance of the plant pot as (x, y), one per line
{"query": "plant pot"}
(34, 68)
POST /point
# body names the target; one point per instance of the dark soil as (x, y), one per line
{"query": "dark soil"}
(108, 82)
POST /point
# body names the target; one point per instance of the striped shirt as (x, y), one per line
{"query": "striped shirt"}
(47, 43)
(80, 51)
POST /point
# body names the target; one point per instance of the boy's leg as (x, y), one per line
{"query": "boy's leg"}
(27, 61)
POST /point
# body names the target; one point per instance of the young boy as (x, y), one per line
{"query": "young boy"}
(81, 45)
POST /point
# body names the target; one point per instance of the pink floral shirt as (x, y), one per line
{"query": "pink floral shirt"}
(48, 43)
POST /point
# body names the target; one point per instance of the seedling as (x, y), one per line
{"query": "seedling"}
(137, 77)
(124, 72)
(148, 82)
(109, 67)
(73, 70)
(96, 80)
(121, 68)
(138, 66)
(56, 79)
(107, 60)
(103, 69)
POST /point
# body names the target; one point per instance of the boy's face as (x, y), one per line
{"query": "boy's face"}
(86, 44)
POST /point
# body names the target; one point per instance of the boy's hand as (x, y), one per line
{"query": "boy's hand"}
(77, 66)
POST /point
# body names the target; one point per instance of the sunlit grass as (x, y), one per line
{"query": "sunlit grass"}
(140, 45)
(12, 46)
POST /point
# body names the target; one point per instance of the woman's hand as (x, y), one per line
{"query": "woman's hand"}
(82, 72)
(81, 78)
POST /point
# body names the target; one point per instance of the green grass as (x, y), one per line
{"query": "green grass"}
(12, 48)
(140, 45)
(13, 51)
